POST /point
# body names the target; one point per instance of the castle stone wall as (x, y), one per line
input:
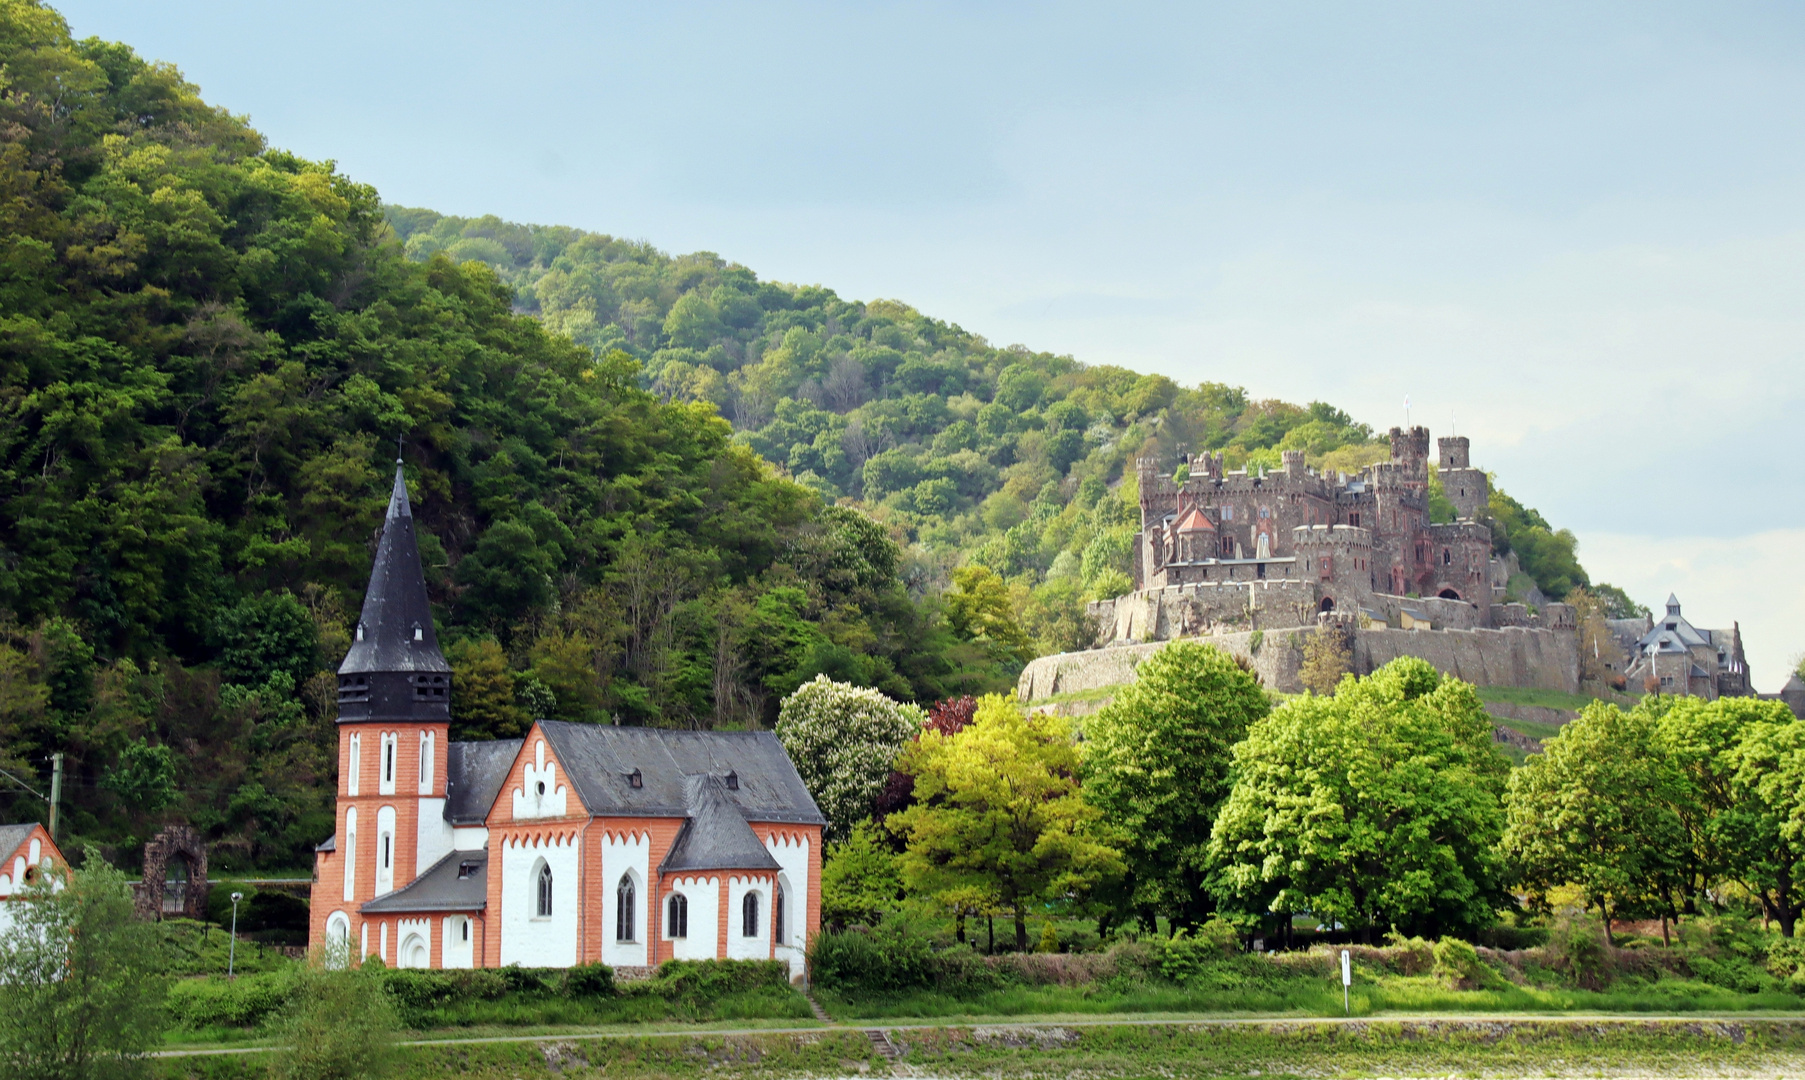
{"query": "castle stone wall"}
(1517, 656)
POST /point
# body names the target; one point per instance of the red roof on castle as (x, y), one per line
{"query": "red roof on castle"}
(1194, 522)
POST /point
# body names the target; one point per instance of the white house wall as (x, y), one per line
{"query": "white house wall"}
(628, 853)
(792, 855)
(739, 946)
(469, 838)
(704, 895)
(526, 939)
(433, 838)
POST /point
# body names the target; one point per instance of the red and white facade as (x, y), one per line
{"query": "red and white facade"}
(576, 844)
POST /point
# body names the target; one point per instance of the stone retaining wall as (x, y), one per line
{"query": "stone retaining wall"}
(1516, 656)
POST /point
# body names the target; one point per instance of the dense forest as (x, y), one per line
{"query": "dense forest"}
(211, 352)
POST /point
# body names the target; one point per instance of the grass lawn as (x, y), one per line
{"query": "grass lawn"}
(1546, 699)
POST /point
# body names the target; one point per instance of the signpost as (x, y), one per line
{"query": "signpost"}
(1347, 980)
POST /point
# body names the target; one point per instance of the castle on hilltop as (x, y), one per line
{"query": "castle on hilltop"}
(1222, 551)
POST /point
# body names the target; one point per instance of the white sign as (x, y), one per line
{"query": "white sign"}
(1347, 970)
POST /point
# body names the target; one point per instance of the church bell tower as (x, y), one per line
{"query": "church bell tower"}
(394, 716)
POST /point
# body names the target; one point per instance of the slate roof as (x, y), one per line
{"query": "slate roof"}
(715, 836)
(599, 759)
(11, 836)
(331, 844)
(474, 772)
(396, 601)
(446, 886)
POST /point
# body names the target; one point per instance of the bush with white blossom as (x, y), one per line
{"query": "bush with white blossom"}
(844, 739)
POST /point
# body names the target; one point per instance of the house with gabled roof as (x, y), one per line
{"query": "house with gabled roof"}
(1674, 657)
(575, 844)
(27, 851)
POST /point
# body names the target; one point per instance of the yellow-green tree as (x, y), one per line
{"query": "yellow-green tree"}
(999, 813)
(978, 608)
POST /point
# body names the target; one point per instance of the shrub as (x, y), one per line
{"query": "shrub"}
(521, 980)
(697, 983)
(214, 1002)
(1185, 956)
(1457, 963)
(589, 980)
(889, 959)
(1576, 947)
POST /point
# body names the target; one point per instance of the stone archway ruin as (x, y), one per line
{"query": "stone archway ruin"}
(184, 844)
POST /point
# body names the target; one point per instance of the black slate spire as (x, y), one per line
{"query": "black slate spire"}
(395, 670)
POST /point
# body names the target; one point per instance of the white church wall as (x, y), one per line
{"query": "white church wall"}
(432, 835)
(457, 949)
(704, 896)
(469, 838)
(628, 854)
(526, 938)
(792, 855)
(740, 946)
(415, 943)
(541, 796)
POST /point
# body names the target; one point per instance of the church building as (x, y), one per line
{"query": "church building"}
(579, 843)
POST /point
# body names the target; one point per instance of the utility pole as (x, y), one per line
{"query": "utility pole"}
(56, 788)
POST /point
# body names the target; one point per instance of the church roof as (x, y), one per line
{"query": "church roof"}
(474, 773)
(715, 836)
(458, 882)
(395, 632)
(601, 758)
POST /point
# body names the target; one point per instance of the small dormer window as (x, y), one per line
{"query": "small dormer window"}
(419, 634)
(635, 780)
(466, 869)
(360, 631)
(733, 780)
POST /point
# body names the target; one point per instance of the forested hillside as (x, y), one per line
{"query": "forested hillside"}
(1003, 458)
(211, 352)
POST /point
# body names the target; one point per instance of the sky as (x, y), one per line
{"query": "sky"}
(1575, 233)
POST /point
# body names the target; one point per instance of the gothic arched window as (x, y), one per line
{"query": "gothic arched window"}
(777, 917)
(545, 891)
(676, 923)
(623, 909)
(749, 915)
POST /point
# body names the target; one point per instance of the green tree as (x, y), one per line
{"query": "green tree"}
(1596, 809)
(1328, 656)
(1761, 830)
(1379, 806)
(844, 741)
(1157, 768)
(978, 608)
(340, 1023)
(261, 635)
(999, 813)
(859, 878)
(83, 978)
(144, 776)
(483, 692)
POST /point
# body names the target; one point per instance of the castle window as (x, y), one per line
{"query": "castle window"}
(676, 919)
(749, 915)
(1447, 557)
(623, 909)
(545, 891)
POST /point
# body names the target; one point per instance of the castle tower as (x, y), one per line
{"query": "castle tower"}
(1410, 456)
(1469, 489)
(1338, 561)
(1294, 462)
(394, 715)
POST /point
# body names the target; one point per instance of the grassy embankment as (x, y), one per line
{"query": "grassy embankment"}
(1396, 1048)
